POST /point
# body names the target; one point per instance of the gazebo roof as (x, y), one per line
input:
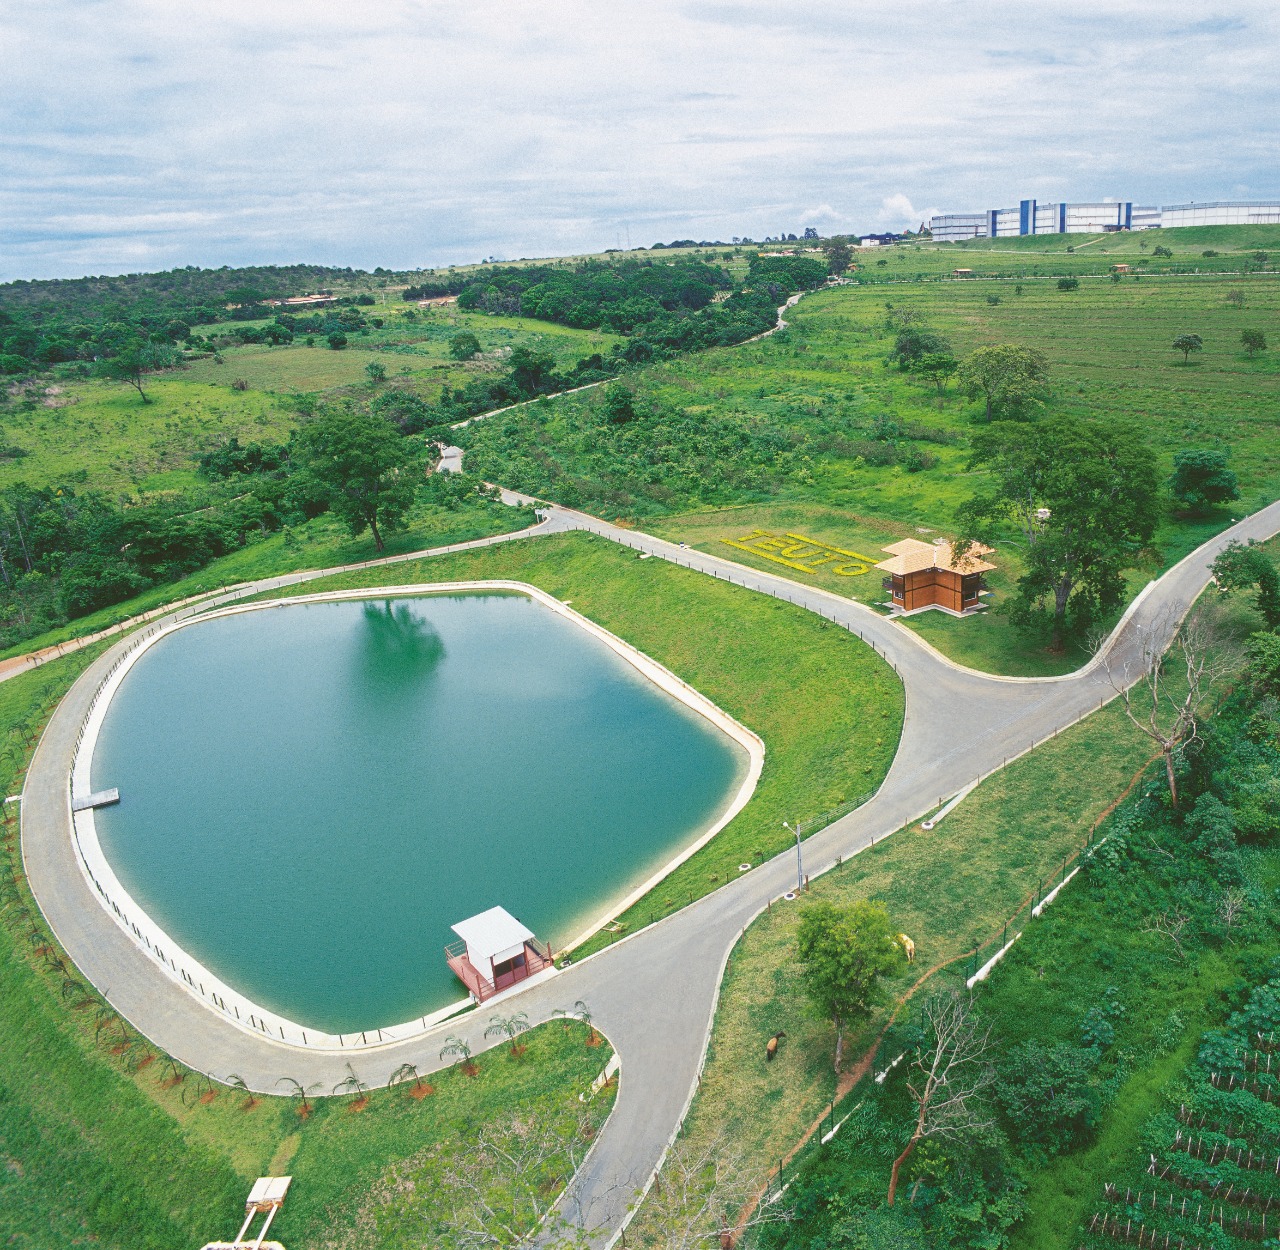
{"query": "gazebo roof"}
(493, 935)
(912, 556)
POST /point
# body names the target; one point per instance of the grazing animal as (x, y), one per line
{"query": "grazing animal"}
(771, 1047)
(908, 947)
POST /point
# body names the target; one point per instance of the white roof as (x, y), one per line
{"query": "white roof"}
(268, 1189)
(493, 935)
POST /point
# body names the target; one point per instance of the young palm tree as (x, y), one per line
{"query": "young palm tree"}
(202, 1091)
(176, 1073)
(353, 1085)
(299, 1091)
(409, 1072)
(240, 1085)
(457, 1047)
(509, 1027)
(580, 1012)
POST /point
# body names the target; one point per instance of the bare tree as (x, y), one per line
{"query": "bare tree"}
(706, 1196)
(507, 1181)
(1171, 924)
(1163, 692)
(1232, 905)
(948, 1078)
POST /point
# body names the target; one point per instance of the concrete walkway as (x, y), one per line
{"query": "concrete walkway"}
(652, 994)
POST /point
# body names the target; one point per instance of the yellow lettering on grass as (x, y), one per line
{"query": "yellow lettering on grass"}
(805, 555)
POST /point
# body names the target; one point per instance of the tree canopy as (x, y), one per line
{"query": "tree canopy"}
(1186, 344)
(843, 953)
(1201, 479)
(1084, 494)
(367, 471)
(1012, 380)
(1244, 566)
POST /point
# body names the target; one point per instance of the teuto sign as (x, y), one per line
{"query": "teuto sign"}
(806, 555)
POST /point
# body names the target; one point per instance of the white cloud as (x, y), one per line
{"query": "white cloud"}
(138, 133)
(898, 211)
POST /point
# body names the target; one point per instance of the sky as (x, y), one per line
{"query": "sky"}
(145, 135)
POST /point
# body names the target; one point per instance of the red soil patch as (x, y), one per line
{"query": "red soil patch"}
(419, 1092)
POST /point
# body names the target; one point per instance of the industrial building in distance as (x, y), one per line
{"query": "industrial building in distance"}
(1035, 217)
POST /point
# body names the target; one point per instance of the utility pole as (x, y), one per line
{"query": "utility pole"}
(799, 861)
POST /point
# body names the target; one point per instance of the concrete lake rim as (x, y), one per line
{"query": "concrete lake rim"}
(201, 983)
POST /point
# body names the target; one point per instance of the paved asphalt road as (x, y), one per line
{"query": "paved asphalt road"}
(653, 993)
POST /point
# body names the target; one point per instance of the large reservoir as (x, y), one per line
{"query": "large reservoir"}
(312, 794)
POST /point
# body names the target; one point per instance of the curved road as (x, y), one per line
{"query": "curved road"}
(653, 994)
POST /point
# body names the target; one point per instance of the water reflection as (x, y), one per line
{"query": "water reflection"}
(398, 646)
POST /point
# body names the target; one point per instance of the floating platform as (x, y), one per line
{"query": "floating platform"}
(100, 798)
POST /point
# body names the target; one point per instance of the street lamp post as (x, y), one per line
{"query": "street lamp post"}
(799, 861)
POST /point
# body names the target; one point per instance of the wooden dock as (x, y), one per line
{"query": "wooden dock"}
(100, 798)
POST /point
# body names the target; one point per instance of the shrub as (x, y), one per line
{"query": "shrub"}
(1201, 479)
(464, 346)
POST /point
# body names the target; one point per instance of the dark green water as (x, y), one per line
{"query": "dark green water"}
(311, 795)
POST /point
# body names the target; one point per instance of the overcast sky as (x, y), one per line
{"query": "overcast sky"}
(147, 134)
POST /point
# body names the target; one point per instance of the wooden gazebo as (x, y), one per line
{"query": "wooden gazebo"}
(930, 575)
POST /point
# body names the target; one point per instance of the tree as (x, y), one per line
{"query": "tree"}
(1242, 566)
(1201, 479)
(839, 255)
(509, 1027)
(1162, 704)
(455, 1046)
(914, 341)
(464, 346)
(353, 1085)
(532, 371)
(1186, 344)
(1253, 341)
(619, 404)
(301, 1092)
(376, 372)
(938, 368)
(1046, 1093)
(1012, 380)
(337, 340)
(409, 1072)
(843, 954)
(136, 360)
(948, 1078)
(1068, 284)
(240, 1085)
(1263, 651)
(707, 1195)
(1084, 495)
(368, 473)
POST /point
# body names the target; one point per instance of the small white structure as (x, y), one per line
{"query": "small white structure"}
(495, 952)
(267, 1195)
